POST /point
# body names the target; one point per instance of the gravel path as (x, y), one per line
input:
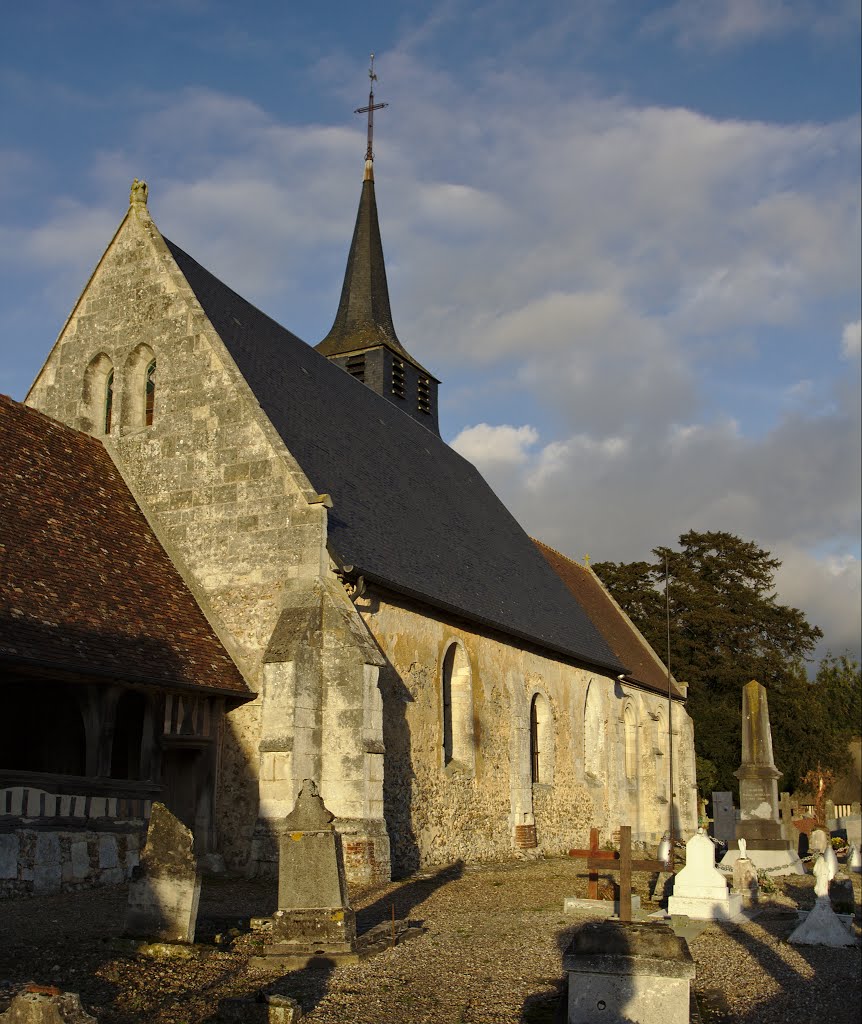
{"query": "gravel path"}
(489, 954)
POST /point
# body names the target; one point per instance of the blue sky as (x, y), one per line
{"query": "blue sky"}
(625, 235)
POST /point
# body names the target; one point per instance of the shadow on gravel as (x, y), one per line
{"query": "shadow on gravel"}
(803, 993)
(406, 897)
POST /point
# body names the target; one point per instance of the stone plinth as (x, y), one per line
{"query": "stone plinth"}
(314, 915)
(700, 890)
(622, 971)
(822, 927)
(49, 1006)
(597, 908)
(745, 881)
(166, 887)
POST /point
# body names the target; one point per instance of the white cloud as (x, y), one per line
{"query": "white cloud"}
(851, 340)
(495, 446)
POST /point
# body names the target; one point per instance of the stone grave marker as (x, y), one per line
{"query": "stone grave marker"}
(758, 792)
(700, 890)
(314, 917)
(723, 817)
(166, 885)
(822, 926)
(620, 971)
(745, 881)
(854, 859)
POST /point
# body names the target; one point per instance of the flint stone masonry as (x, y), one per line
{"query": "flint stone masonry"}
(628, 972)
(164, 895)
(51, 1007)
(700, 890)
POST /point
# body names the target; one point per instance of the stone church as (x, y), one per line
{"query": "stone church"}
(309, 583)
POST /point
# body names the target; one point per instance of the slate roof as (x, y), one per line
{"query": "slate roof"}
(85, 587)
(364, 316)
(409, 512)
(627, 643)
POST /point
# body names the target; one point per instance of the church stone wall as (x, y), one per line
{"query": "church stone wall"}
(438, 812)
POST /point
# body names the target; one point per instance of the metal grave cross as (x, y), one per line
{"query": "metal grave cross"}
(372, 106)
(609, 860)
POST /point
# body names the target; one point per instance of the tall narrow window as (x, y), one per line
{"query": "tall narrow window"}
(150, 395)
(109, 401)
(457, 693)
(534, 741)
(541, 741)
(630, 731)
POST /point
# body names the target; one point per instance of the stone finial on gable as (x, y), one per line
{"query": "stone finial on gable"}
(138, 193)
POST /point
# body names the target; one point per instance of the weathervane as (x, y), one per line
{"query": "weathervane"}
(372, 106)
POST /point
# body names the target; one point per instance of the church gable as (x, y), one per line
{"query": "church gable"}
(139, 365)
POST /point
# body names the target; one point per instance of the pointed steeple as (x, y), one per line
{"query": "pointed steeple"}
(364, 317)
(362, 339)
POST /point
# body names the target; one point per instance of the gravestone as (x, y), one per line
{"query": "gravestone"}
(723, 817)
(38, 1005)
(822, 926)
(314, 917)
(745, 881)
(758, 792)
(854, 859)
(620, 971)
(700, 890)
(166, 885)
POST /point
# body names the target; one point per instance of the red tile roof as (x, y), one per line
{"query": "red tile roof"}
(85, 586)
(620, 634)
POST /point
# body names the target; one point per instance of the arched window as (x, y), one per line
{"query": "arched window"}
(457, 687)
(594, 733)
(150, 394)
(630, 730)
(139, 389)
(541, 741)
(98, 396)
(109, 401)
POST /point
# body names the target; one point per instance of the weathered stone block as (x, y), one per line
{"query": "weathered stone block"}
(620, 971)
(108, 852)
(52, 1007)
(46, 868)
(163, 899)
(79, 855)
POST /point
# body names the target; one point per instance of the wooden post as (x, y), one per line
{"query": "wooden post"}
(625, 873)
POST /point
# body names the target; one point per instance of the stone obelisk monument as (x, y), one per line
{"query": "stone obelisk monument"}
(758, 793)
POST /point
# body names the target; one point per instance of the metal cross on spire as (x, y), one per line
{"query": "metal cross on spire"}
(372, 106)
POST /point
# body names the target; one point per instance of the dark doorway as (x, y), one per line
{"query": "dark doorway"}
(41, 729)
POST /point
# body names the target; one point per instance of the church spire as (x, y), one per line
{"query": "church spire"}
(362, 339)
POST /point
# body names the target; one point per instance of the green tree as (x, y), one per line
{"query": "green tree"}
(726, 628)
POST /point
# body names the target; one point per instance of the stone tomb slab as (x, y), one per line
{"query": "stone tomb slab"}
(628, 971)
